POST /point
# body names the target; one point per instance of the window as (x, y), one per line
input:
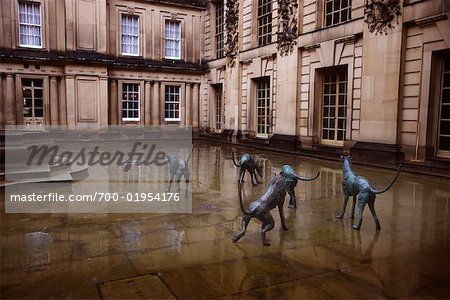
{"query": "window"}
(172, 103)
(444, 114)
(30, 26)
(334, 113)
(263, 106)
(264, 22)
(130, 102)
(219, 29)
(337, 11)
(219, 116)
(33, 106)
(130, 35)
(173, 39)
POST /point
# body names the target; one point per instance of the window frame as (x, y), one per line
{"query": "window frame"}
(337, 71)
(268, 125)
(219, 35)
(266, 38)
(39, 3)
(333, 12)
(179, 87)
(122, 15)
(128, 119)
(179, 41)
(218, 107)
(439, 152)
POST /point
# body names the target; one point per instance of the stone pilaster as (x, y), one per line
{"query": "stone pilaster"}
(147, 103)
(62, 102)
(195, 106)
(10, 100)
(156, 115)
(54, 109)
(113, 104)
(188, 104)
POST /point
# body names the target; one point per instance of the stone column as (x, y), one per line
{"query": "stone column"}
(113, 113)
(147, 103)
(2, 103)
(155, 108)
(10, 100)
(188, 104)
(54, 109)
(70, 97)
(161, 104)
(195, 107)
(62, 102)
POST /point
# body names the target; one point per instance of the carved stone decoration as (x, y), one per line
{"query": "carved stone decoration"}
(287, 26)
(380, 14)
(231, 29)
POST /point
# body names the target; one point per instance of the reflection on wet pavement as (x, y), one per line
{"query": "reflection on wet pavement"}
(168, 256)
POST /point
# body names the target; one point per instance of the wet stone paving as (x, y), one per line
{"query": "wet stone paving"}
(142, 256)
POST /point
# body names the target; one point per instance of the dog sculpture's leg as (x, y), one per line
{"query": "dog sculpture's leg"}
(344, 206)
(267, 225)
(170, 182)
(241, 175)
(362, 201)
(186, 177)
(245, 220)
(352, 216)
(374, 214)
(280, 210)
(290, 188)
(253, 177)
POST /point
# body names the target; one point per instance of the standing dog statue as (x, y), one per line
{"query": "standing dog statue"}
(178, 168)
(291, 179)
(260, 209)
(354, 185)
(247, 163)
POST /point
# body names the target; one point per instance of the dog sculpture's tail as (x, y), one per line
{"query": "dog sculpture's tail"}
(308, 179)
(389, 185)
(234, 162)
(190, 154)
(241, 202)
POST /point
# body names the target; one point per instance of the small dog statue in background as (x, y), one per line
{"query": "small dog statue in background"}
(247, 163)
(260, 209)
(291, 179)
(178, 168)
(354, 185)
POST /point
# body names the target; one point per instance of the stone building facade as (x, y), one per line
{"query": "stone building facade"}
(90, 62)
(314, 75)
(344, 88)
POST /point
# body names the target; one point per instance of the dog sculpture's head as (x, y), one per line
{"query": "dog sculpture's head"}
(347, 158)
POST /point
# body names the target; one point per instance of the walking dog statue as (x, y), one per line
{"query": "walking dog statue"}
(260, 209)
(179, 168)
(247, 163)
(291, 179)
(354, 185)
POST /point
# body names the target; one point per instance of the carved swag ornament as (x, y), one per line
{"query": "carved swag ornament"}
(287, 26)
(380, 14)
(231, 28)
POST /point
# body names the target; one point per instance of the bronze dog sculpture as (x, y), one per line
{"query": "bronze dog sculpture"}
(354, 185)
(178, 168)
(247, 163)
(291, 179)
(260, 209)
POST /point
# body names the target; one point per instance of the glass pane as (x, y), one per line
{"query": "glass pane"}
(444, 143)
(39, 113)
